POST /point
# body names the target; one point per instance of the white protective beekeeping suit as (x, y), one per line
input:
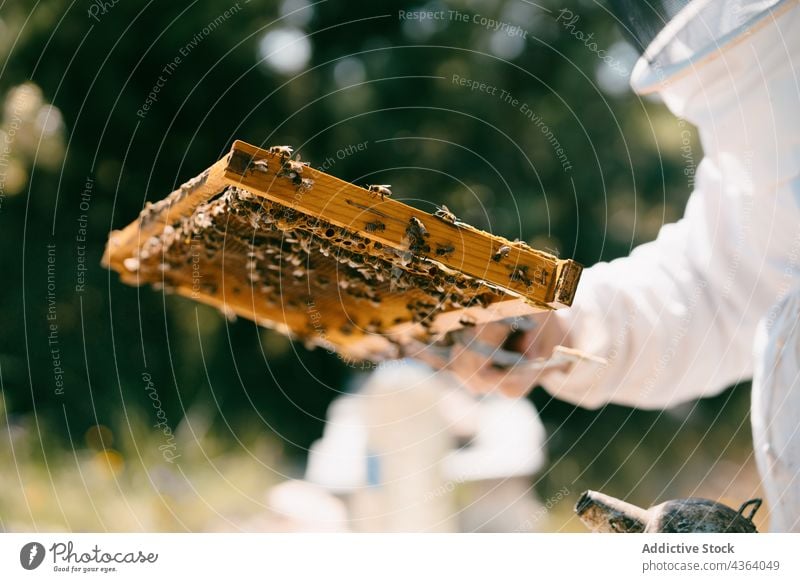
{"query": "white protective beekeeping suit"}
(678, 318)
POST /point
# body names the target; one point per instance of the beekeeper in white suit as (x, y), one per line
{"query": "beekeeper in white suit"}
(715, 299)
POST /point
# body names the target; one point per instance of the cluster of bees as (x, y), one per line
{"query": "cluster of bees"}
(289, 168)
(153, 209)
(288, 259)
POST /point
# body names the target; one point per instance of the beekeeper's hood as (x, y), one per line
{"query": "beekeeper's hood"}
(726, 66)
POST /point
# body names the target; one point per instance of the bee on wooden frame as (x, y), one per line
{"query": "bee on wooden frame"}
(444, 213)
(293, 169)
(305, 185)
(375, 226)
(260, 166)
(417, 233)
(382, 190)
(521, 275)
(444, 250)
(283, 151)
(501, 253)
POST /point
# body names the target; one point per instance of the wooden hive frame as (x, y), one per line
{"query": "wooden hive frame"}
(475, 276)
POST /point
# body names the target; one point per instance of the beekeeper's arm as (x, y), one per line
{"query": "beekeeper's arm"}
(673, 320)
(677, 319)
(670, 322)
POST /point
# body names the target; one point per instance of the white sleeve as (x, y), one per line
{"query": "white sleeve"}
(675, 319)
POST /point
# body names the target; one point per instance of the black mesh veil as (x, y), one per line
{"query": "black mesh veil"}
(641, 20)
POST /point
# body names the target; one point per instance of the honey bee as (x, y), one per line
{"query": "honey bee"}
(444, 250)
(417, 225)
(467, 321)
(260, 166)
(374, 326)
(417, 233)
(305, 185)
(416, 229)
(479, 300)
(375, 226)
(293, 169)
(366, 273)
(443, 212)
(521, 275)
(382, 190)
(283, 151)
(501, 253)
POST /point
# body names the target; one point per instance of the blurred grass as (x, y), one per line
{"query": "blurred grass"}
(124, 484)
(121, 482)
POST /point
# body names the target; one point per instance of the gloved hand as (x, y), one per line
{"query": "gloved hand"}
(498, 356)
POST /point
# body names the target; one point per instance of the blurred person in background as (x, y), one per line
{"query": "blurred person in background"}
(715, 299)
(410, 451)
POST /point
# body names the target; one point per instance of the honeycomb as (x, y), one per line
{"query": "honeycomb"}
(266, 237)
